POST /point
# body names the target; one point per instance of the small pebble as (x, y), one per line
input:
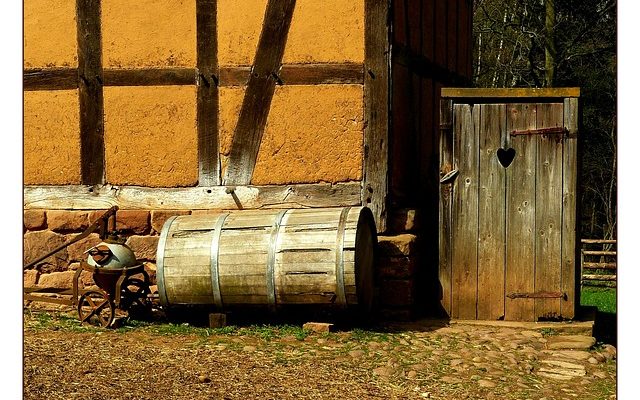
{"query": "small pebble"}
(204, 379)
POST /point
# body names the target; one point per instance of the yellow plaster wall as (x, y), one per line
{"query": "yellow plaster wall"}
(50, 34)
(51, 138)
(150, 135)
(148, 33)
(321, 31)
(313, 134)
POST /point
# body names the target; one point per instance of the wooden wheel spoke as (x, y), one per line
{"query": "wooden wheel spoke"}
(98, 305)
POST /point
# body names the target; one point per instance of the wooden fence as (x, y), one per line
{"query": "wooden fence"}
(598, 262)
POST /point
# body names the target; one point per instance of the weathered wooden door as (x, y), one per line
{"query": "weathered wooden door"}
(507, 209)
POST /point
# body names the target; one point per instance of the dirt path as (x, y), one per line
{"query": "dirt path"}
(64, 361)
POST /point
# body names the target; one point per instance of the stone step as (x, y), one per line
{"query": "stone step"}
(570, 342)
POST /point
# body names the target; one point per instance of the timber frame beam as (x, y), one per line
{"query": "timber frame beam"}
(90, 91)
(93, 197)
(35, 79)
(375, 185)
(91, 77)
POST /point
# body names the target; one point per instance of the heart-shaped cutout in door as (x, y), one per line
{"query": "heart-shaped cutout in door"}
(506, 156)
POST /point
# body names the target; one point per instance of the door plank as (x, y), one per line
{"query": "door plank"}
(465, 213)
(548, 210)
(446, 165)
(520, 214)
(491, 213)
(569, 215)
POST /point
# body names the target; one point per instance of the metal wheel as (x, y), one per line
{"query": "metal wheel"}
(96, 308)
(134, 297)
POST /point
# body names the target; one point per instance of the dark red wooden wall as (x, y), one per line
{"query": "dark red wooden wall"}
(431, 43)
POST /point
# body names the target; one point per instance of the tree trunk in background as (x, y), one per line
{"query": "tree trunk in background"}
(550, 44)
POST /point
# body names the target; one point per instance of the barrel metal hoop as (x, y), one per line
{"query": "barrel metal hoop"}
(215, 248)
(271, 260)
(162, 292)
(341, 298)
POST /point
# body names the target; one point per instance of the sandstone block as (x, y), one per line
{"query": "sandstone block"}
(398, 245)
(404, 220)
(58, 280)
(31, 277)
(95, 215)
(150, 269)
(159, 217)
(396, 293)
(318, 327)
(136, 221)
(34, 219)
(86, 279)
(144, 247)
(576, 342)
(76, 250)
(37, 244)
(610, 352)
(67, 221)
(396, 267)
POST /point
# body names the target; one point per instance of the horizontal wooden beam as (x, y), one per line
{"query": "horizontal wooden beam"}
(599, 265)
(599, 277)
(598, 241)
(299, 74)
(510, 92)
(149, 77)
(598, 253)
(289, 74)
(50, 79)
(83, 197)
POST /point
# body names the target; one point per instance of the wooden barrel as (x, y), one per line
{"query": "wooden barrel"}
(269, 257)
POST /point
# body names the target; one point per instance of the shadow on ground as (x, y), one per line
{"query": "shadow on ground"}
(605, 329)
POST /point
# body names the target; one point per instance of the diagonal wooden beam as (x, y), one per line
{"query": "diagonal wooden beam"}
(207, 78)
(259, 92)
(90, 91)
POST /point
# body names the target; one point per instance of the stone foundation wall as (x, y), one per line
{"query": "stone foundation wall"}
(45, 230)
(398, 263)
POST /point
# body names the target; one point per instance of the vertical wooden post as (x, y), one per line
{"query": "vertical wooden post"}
(90, 92)
(446, 166)
(207, 80)
(569, 216)
(376, 103)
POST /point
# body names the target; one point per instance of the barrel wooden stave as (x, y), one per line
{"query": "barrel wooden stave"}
(304, 250)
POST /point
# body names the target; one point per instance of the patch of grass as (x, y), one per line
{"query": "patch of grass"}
(602, 389)
(177, 329)
(546, 332)
(362, 335)
(54, 321)
(602, 298)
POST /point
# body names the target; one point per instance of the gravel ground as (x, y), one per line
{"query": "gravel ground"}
(63, 360)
